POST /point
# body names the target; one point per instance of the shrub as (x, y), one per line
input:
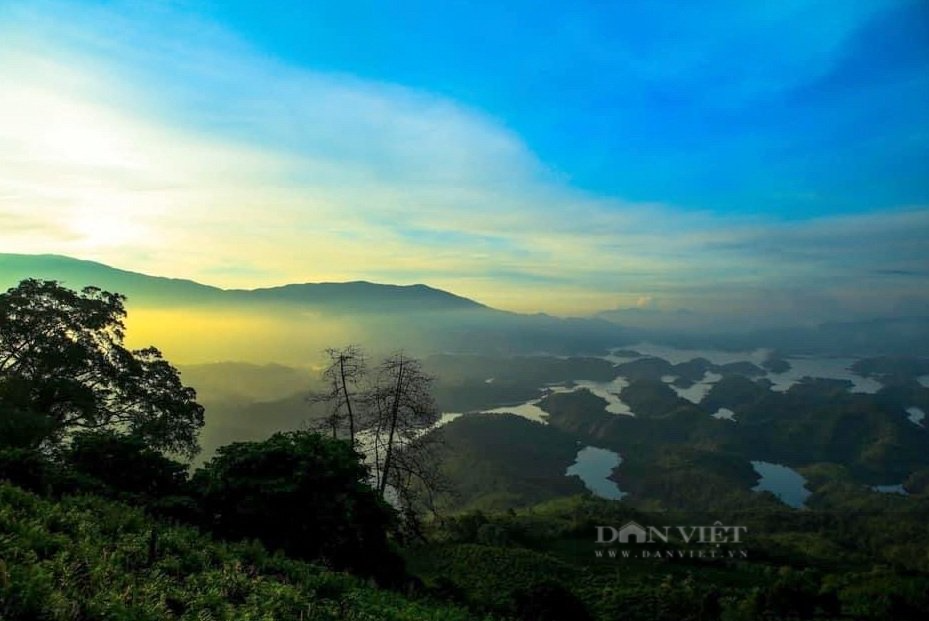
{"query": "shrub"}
(302, 493)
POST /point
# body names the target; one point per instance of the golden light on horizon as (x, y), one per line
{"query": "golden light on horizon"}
(205, 335)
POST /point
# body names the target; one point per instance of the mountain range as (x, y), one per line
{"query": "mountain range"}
(291, 323)
(357, 296)
(382, 316)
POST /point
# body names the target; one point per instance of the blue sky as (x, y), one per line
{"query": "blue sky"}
(733, 107)
(724, 157)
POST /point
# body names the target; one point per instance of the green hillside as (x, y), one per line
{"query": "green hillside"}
(87, 558)
(357, 297)
(75, 273)
(289, 324)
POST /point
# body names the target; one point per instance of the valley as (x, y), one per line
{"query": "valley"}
(535, 448)
(630, 404)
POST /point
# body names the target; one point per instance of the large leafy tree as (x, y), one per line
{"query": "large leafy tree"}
(303, 493)
(124, 467)
(64, 367)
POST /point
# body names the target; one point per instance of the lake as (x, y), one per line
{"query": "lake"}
(890, 489)
(785, 483)
(593, 466)
(916, 415)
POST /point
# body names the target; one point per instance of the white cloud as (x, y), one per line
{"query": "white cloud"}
(151, 149)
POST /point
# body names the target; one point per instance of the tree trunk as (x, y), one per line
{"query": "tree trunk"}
(152, 546)
(348, 402)
(395, 411)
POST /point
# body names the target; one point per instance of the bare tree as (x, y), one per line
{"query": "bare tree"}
(415, 479)
(389, 413)
(344, 379)
(403, 410)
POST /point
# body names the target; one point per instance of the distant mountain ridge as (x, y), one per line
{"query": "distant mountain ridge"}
(292, 323)
(355, 296)
(432, 320)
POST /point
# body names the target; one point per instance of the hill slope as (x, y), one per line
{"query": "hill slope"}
(358, 296)
(88, 558)
(196, 323)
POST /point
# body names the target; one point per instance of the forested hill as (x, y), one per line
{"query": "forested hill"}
(357, 296)
(196, 323)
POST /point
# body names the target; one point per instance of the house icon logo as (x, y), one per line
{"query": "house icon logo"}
(632, 532)
(703, 542)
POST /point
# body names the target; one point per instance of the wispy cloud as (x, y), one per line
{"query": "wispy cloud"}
(164, 144)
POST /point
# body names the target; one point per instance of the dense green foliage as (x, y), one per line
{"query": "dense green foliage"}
(465, 383)
(86, 558)
(124, 466)
(799, 565)
(114, 528)
(497, 461)
(677, 454)
(855, 553)
(63, 367)
(302, 493)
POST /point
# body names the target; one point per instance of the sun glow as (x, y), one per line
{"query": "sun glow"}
(102, 228)
(188, 335)
(196, 157)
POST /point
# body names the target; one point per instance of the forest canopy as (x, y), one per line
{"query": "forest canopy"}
(64, 368)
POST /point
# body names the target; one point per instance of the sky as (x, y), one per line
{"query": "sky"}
(761, 162)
